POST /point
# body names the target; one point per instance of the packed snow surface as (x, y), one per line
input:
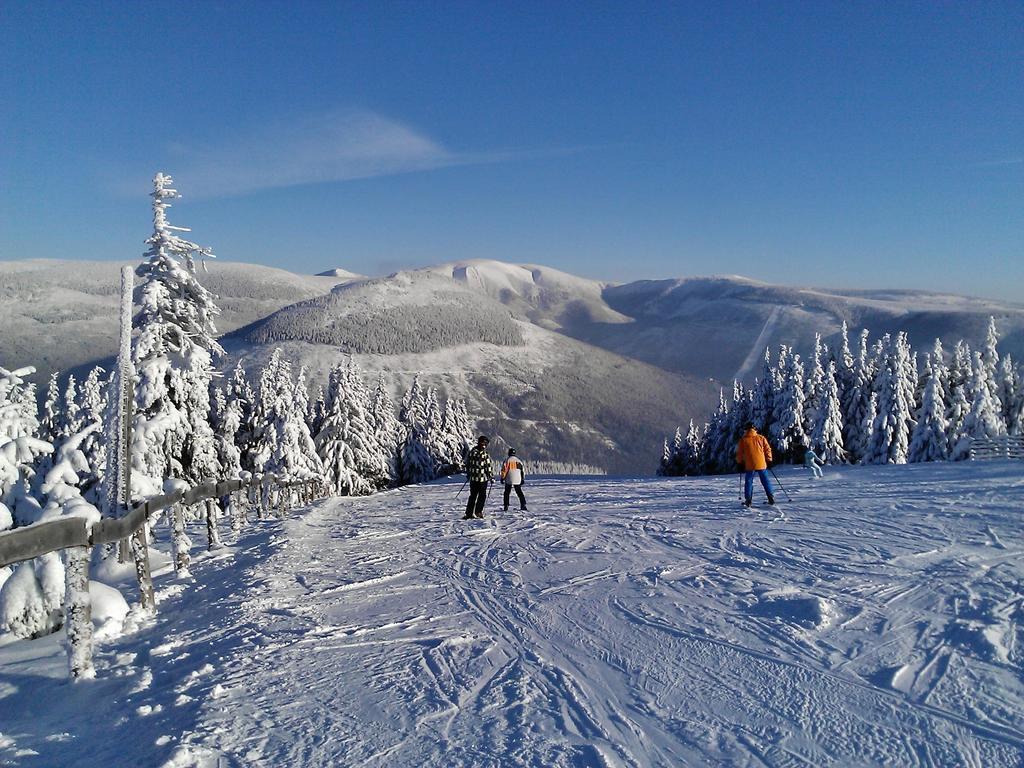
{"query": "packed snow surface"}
(872, 620)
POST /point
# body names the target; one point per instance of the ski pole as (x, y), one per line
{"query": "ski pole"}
(781, 486)
(462, 488)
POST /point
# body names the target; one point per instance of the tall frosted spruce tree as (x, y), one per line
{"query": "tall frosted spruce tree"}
(173, 356)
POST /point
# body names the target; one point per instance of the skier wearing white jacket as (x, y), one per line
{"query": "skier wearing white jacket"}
(513, 473)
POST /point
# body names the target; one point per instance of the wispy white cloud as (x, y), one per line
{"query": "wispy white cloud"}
(329, 147)
(997, 163)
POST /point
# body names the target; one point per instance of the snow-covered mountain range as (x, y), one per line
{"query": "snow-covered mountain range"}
(569, 368)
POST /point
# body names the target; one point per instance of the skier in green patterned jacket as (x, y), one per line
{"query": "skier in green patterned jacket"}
(480, 472)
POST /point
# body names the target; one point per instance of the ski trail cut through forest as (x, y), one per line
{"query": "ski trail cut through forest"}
(756, 353)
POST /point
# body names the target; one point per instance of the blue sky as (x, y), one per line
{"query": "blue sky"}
(832, 144)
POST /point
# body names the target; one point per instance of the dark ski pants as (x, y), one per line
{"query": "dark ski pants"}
(477, 497)
(766, 483)
(519, 493)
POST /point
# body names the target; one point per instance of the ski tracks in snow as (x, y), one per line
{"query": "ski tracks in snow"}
(634, 623)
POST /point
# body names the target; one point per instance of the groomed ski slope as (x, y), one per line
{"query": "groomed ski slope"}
(654, 622)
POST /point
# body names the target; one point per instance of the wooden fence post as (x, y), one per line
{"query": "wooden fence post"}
(180, 541)
(140, 553)
(212, 535)
(78, 613)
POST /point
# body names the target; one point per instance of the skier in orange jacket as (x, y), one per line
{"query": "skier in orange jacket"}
(754, 454)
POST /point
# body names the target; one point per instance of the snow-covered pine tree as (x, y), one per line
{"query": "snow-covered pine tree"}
(663, 467)
(984, 419)
(239, 394)
(93, 402)
(1015, 416)
(284, 447)
(693, 446)
(317, 410)
(1007, 384)
(813, 385)
(788, 433)
(904, 363)
(436, 438)
(226, 415)
(71, 411)
(458, 434)
(716, 444)
(928, 441)
(855, 403)
(387, 429)
(990, 359)
(890, 437)
(827, 439)
(19, 447)
(844, 366)
(960, 367)
(360, 434)
(172, 354)
(413, 407)
(332, 440)
(416, 464)
(49, 424)
(762, 405)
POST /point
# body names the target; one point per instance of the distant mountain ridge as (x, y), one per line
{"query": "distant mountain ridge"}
(573, 369)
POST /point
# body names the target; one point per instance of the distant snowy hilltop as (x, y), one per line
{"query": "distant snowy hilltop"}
(567, 368)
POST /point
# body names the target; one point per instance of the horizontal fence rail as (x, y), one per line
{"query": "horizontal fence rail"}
(38, 539)
(75, 536)
(1005, 447)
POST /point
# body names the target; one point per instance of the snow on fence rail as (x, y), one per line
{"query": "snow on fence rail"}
(1005, 447)
(75, 535)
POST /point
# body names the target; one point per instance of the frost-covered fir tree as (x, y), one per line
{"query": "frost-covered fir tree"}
(458, 435)
(317, 410)
(956, 416)
(844, 366)
(827, 439)
(347, 444)
(226, 415)
(172, 354)
(416, 463)
(1007, 386)
(990, 360)
(664, 466)
(856, 423)
(762, 404)
(387, 429)
(239, 394)
(984, 419)
(718, 455)
(49, 424)
(890, 437)
(788, 431)
(332, 441)
(93, 402)
(960, 368)
(928, 442)
(71, 411)
(1015, 415)
(283, 448)
(813, 386)
(19, 447)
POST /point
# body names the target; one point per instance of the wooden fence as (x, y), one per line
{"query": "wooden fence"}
(76, 537)
(1005, 447)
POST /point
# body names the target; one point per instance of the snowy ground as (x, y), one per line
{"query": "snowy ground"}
(872, 621)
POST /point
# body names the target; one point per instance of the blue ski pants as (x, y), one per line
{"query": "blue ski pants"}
(766, 483)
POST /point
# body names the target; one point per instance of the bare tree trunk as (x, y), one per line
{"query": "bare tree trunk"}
(78, 614)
